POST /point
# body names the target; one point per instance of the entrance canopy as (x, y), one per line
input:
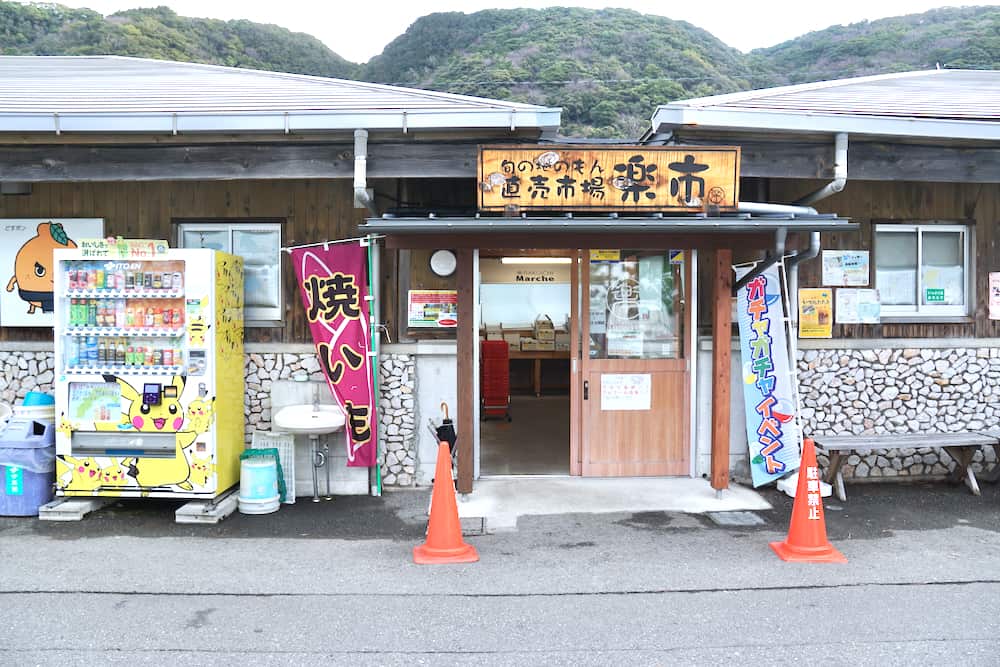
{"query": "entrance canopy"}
(696, 231)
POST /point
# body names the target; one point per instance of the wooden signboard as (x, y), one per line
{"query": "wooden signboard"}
(641, 178)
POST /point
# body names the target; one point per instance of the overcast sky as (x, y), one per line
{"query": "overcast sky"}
(359, 29)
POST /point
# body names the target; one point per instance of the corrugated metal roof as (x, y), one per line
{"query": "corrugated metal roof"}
(944, 103)
(113, 87)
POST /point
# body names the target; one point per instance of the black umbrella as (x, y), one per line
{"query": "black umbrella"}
(446, 431)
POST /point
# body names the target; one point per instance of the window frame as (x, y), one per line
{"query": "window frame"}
(919, 310)
(253, 316)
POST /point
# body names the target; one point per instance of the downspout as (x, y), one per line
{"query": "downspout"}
(839, 173)
(800, 207)
(769, 260)
(362, 198)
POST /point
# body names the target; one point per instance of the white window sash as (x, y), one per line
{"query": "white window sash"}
(921, 309)
(251, 314)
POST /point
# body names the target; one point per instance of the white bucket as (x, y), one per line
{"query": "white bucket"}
(259, 486)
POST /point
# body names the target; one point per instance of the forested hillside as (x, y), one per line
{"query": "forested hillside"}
(607, 69)
(49, 29)
(962, 37)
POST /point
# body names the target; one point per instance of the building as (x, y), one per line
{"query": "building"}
(912, 158)
(203, 154)
(197, 154)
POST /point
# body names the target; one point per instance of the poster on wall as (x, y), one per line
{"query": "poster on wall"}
(26, 259)
(815, 312)
(432, 308)
(994, 298)
(845, 268)
(768, 393)
(858, 306)
(626, 391)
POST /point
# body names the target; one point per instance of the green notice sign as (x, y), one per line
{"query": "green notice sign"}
(934, 295)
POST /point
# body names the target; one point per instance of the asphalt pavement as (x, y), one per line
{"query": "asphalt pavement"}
(334, 583)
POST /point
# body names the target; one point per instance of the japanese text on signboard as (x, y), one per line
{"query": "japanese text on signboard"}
(768, 393)
(333, 284)
(769, 430)
(640, 178)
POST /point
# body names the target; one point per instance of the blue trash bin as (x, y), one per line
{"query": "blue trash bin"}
(27, 466)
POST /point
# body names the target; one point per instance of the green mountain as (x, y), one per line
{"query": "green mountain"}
(49, 29)
(962, 37)
(606, 68)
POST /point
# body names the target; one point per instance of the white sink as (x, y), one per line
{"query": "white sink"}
(309, 419)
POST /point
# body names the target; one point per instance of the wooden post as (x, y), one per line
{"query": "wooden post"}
(467, 337)
(722, 285)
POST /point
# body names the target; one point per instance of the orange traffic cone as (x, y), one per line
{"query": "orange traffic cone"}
(806, 541)
(444, 532)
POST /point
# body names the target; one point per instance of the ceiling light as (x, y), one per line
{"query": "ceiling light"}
(536, 260)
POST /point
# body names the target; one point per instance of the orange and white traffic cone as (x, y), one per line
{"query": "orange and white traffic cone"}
(806, 541)
(444, 531)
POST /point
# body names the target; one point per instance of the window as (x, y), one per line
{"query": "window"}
(259, 244)
(923, 270)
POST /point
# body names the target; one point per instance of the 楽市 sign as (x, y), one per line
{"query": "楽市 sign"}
(641, 178)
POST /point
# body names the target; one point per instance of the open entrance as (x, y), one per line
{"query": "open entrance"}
(606, 394)
(526, 325)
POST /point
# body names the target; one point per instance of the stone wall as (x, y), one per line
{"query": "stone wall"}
(398, 419)
(23, 372)
(882, 391)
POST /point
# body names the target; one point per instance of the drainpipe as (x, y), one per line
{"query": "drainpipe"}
(839, 173)
(769, 260)
(792, 266)
(760, 208)
(362, 198)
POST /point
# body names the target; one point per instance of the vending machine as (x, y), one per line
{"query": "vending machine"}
(149, 383)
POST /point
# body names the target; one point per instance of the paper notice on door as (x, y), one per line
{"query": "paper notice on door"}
(994, 301)
(626, 391)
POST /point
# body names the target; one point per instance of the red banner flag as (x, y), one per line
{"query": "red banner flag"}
(334, 284)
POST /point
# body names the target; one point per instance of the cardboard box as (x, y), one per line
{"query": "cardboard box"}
(494, 333)
(529, 344)
(544, 329)
(532, 344)
(513, 340)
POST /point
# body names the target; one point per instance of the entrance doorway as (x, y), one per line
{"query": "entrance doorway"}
(635, 371)
(526, 313)
(605, 394)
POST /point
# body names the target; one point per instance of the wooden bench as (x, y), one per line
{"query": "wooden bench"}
(960, 446)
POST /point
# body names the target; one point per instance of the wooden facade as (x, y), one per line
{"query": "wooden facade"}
(310, 210)
(868, 202)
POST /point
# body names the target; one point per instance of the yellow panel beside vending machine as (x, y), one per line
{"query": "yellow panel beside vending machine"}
(149, 388)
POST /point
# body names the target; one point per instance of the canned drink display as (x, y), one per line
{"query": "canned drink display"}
(178, 280)
(167, 280)
(147, 280)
